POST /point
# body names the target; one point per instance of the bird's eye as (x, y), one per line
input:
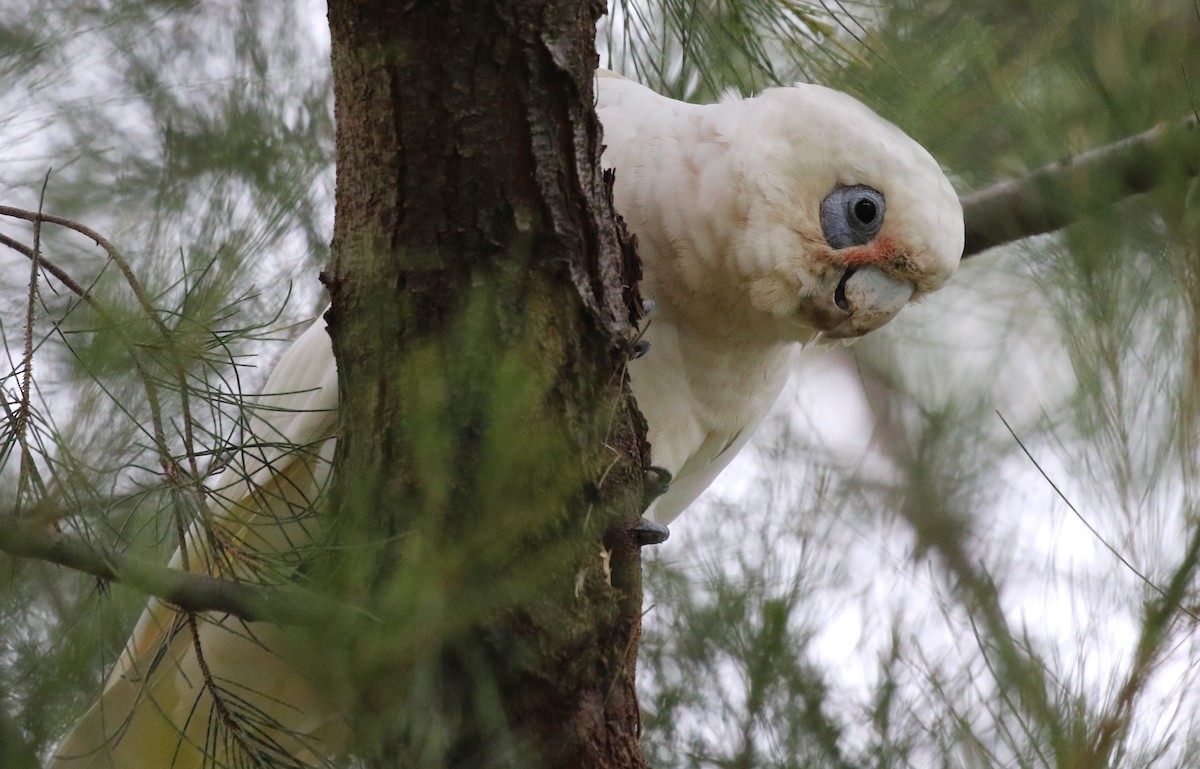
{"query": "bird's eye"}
(851, 216)
(864, 210)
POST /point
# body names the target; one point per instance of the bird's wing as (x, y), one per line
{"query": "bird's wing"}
(180, 682)
(701, 409)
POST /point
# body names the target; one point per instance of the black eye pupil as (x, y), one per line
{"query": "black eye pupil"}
(864, 210)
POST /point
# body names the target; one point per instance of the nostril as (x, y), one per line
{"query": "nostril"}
(839, 295)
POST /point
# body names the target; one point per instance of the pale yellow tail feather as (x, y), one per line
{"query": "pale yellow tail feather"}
(159, 709)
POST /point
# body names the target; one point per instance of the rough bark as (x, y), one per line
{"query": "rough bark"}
(481, 322)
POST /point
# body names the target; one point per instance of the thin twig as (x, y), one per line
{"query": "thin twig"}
(1018, 668)
(285, 605)
(59, 274)
(190, 479)
(21, 428)
(170, 466)
(167, 462)
(1124, 561)
(1154, 635)
(113, 253)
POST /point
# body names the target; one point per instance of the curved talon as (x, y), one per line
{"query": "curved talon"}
(640, 348)
(650, 533)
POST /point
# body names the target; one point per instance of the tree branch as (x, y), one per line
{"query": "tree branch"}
(1051, 197)
(285, 605)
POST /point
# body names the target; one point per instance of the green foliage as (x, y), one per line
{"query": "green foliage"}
(698, 49)
(896, 585)
(1020, 626)
(198, 139)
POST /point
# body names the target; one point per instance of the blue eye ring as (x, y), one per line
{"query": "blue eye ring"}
(852, 215)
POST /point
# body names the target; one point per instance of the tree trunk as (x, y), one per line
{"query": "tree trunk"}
(481, 320)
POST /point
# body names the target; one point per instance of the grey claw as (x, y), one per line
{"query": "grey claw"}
(650, 533)
(640, 348)
(647, 307)
(657, 481)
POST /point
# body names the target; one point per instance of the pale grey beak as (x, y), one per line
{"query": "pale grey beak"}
(865, 299)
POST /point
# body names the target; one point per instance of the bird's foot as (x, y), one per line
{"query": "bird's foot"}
(650, 533)
(657, 481)
(647, 307)
(640, 348)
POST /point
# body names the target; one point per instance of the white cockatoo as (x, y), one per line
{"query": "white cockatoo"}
(784, 219)
(794, 216)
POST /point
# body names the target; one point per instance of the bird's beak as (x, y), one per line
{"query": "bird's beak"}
(865, 298)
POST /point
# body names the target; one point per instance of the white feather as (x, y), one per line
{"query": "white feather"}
(724, 202)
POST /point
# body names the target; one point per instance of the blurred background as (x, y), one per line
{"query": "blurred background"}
(967, 540)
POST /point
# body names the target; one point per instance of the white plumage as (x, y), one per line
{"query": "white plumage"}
(786, 218)
(725, 201)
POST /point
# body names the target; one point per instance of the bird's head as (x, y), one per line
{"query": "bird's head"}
(843, 219)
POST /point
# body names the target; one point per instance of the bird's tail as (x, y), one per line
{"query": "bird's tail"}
(210, 690)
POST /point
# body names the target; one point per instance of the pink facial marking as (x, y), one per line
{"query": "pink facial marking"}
(878, 251)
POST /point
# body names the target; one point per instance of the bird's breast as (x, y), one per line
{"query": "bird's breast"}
(702, 398)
